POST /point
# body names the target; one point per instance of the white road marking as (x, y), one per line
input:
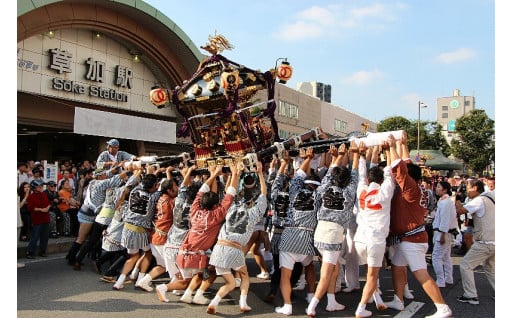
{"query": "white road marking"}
(410, 310)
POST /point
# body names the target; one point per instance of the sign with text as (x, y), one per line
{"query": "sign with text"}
(50, 171)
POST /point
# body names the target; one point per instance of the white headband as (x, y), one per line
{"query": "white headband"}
(312, 182)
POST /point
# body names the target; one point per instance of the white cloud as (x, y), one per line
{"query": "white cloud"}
(318, 15)
(319, 21)
(300, 30)
(363, 77)
(459, 55)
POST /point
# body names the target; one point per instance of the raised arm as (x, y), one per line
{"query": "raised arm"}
(374, 155)
(168, 172)
(214, 172)
(354, 149)
(405, 149)
(392, 144)
(342, 158)
(186, 172)
(236, 170)
(263, 183)
(307, 155)
(285, 161)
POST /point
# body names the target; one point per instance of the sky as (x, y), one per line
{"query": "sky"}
(380, 57)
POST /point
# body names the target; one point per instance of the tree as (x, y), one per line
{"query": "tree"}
(400, 123)
(431, 137)
(434, 138)
(474, 142)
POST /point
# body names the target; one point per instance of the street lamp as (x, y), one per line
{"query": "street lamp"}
(420, 105)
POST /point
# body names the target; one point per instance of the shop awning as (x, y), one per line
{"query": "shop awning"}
(112, 125)
(435, 160)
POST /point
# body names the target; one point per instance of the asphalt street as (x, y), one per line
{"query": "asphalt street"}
(48, 287)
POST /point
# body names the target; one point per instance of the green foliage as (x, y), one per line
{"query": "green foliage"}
(474, 144)
(431, 137)
(400, 123)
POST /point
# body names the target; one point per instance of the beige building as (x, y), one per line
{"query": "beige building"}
(317, 89)
(451, 108)
(298, 112)
(84, 73)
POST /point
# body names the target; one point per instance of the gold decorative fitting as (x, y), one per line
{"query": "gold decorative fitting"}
(217, 44)
(364, 127)
(208, 77)
(213, 86)
(196, 90)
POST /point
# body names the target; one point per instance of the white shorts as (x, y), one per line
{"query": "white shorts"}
(135, 251)
(371, 254)
(288, 260)
(170, 254)
(331, 257)
(221, 271)
(158, 254)
(407, 253)
(190, 272)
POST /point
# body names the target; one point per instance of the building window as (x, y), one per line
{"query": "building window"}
(288, 110)
(467, 103)
(445, 108)
(283, 134)
(444, 115)
(340, 125)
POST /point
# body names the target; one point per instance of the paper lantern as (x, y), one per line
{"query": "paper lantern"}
(158, 97)
(229, 80)
(284, 72)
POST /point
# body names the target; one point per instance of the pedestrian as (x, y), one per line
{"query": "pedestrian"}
(112, 155)
(228, 253)
(296, 245)
(111, 248)
(22, 173)
(181, 224)
(491, 184)
(444, 224)
(26, 228)
(408, 240)
(66, 175)
(280, 202)
(482, 252)
(20, 224)
(207, 215)
(55, 214)
(162, 223)
(338, 192)
(374, 193)
(259, 235)
(38, 204)
(68, 207)
(426, 183)
(37, 174)
(95, 195)
(114, 188)
(138, 221)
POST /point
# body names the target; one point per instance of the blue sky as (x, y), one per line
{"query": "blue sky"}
(380, 57)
